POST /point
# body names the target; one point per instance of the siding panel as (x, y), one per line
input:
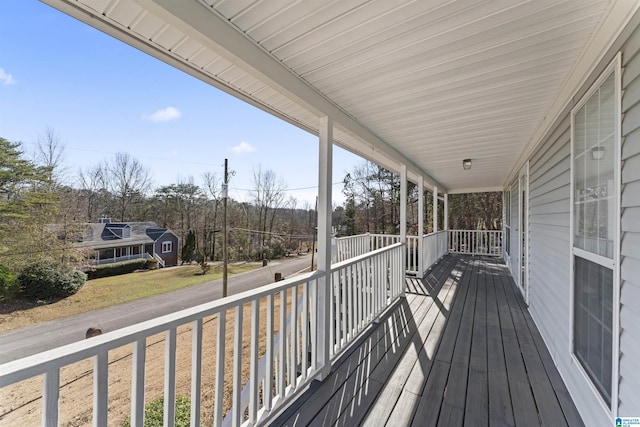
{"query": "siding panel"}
(631, 219)
(629, 391)
(549, 240)
(631, 171)
(631, 145)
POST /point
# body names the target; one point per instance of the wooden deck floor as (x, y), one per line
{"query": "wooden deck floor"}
(460, 349)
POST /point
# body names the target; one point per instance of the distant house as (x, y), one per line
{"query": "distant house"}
(121, 241)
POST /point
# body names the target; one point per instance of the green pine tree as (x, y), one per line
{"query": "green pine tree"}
(189, 248)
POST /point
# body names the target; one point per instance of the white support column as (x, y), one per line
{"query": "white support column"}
(435, 209)
(446, 211)
(421, 228)
(403, 217)
(403, 203)
(324, 245)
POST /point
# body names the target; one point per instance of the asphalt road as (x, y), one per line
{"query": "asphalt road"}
(44, 336)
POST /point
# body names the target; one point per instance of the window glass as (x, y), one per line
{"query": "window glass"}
(594, 159)
(594, 220)
(593, 317)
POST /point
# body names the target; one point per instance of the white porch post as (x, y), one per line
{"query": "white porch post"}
(324, 245)
(446, 211)
(403, 216)
(435, 209)
(421, 247)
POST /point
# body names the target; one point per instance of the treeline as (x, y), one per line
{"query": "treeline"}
(373, 205)
(38, 206)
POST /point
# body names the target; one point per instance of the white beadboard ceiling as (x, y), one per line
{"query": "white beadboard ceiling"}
(421, 83)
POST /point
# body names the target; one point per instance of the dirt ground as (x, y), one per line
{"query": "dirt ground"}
(20, 404)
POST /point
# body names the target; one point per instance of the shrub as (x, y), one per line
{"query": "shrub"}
(154, 412)
(117, 268)
(9, 285)
(46, 280)
(151, 264)
(204, 267)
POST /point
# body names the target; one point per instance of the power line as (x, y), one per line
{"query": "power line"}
(288, 189)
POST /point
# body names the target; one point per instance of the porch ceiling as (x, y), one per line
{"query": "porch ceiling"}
(424, 83)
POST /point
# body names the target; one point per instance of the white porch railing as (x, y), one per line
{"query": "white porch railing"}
(434, 247)
(381, 240)
(476, 242)
(352, 246)
(255, 379)
(471, 242)
(362, 288)
(159, 259)
(120, 258)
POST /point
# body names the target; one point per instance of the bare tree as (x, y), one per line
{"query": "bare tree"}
(213, 193)
(127, 180)
(50, 154)
(92, 184)
(268, 197)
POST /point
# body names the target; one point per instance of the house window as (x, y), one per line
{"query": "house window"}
(167, 247)
(595, 166)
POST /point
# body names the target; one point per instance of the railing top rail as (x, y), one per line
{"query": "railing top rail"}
(476, 231)
(353, 237)
(356, 259)
(37, 364)
(436, 232)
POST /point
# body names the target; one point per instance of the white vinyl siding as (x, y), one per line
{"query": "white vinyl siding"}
(629, 389)
(549, 259)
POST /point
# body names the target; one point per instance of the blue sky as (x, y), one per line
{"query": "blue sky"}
(101, 96)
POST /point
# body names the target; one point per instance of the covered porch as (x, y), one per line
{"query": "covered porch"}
(461, 348)
(453, 96)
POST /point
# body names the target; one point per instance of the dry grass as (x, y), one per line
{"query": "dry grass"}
(109, 291)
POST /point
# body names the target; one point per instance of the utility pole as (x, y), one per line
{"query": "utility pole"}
(225, 252)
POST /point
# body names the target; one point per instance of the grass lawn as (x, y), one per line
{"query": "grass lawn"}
(108, 291)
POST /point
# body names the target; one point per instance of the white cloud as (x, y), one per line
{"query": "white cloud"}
(164, 115)
(243, 147)
(6, 79)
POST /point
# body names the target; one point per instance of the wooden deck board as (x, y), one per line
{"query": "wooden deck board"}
(476, 411)
(383, 407)
(500, 409)
(460, 350)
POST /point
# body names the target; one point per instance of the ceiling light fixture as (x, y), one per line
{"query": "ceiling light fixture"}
(597, 153)
(466, 164)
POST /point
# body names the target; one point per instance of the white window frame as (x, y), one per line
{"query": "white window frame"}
(170, 244)
(506, 202)
(524, 287)
(614, 67)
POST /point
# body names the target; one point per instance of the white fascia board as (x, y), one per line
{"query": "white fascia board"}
(203, 23)
(614, 21)
(474, 190)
